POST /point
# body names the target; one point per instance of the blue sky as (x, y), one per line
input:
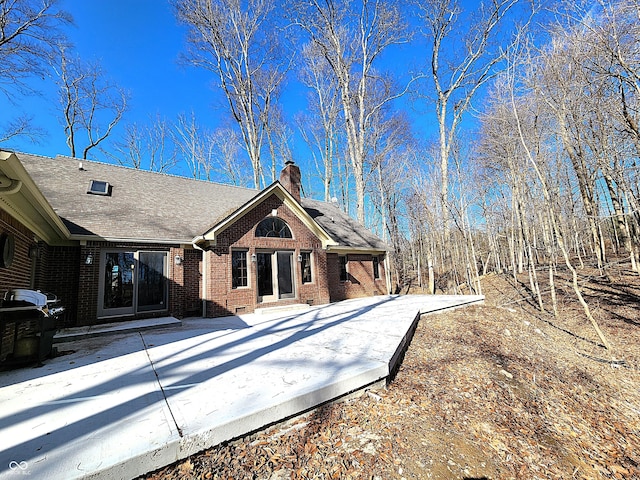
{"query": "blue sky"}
(138, 43)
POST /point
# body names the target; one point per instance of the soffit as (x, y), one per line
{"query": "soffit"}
(23, 200)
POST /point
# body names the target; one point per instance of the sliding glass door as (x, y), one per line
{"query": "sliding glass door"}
(132, 282)
(152, 281)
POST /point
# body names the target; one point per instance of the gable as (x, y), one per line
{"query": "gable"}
(210, 237)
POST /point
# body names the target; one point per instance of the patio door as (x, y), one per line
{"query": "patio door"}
(275, 276)
(132, 282)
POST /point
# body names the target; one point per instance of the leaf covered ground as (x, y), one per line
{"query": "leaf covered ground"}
(495, 391)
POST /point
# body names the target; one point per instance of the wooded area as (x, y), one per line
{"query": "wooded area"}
(531, 163)
(497, 391)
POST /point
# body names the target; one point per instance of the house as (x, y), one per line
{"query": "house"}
(115, 243)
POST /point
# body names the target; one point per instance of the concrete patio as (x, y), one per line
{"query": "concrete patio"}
(120, 404)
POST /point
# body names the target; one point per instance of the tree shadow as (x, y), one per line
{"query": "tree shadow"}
(172, 370)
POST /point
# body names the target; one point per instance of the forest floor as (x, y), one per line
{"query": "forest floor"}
(495, 391)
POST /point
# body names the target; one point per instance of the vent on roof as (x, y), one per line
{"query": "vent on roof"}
(97, 187)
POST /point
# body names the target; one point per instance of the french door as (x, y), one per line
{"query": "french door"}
(132, 282)
(275, 276)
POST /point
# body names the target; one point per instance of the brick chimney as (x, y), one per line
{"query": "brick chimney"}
(290, 178)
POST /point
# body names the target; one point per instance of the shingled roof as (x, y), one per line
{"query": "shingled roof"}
(151, 206)
(346, 231)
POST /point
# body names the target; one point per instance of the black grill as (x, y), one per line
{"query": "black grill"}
(28, 323)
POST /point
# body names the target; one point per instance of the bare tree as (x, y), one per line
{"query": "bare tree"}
(351, 37)
(608, 57)
(227, 158)
(459, 67)
(278, 136)
(91, 104)
(392, 152)
(29, 33)
(20, 127)
(319, 127)
(238, 42)
(609, 30)
(524, 114)
(189, 140)
(148, 147)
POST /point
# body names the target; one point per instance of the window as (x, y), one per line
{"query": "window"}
(239, 277)
(376, 267)
(344, 274)
(305, 265)
(273, 227)
(97, 187)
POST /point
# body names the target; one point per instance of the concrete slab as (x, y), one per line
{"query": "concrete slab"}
(121, 405)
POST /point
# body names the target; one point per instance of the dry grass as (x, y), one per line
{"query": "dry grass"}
(495, 391)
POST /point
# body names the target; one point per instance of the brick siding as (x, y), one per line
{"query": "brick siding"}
(222, 299)
(17, 275)
(360, 282)
(57, 272)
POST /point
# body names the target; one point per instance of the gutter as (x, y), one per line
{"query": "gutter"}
(355, 250)
(97, 238)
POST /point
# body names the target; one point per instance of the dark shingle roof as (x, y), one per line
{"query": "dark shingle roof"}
(147, 205)
(341, 227)
(143, 204)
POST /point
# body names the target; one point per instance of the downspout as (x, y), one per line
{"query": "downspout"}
(196, 242)
(205, 275)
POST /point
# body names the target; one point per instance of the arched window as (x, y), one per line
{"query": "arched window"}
(273, 227)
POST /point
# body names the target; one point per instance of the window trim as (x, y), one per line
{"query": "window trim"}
(302, 265)
(246, 269)
(284, 227)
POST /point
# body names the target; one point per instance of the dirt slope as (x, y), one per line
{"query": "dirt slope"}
(495, 391)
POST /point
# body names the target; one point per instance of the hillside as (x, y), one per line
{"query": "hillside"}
(495, 391)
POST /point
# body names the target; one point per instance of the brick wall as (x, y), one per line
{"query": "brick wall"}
(222, 299)
(185, 297)
(360, 281)
(17, 275)
(192, 305)
(57, 271)
(88, 278)
(184, 287)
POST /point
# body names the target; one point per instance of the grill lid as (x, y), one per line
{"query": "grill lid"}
(34, 297)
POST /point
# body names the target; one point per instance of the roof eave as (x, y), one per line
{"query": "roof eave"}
(24, 201)
(345, 249)
(145, 240)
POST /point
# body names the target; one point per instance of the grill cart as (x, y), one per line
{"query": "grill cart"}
(27, 325)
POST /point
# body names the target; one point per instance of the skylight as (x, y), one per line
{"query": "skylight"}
(98, 187)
